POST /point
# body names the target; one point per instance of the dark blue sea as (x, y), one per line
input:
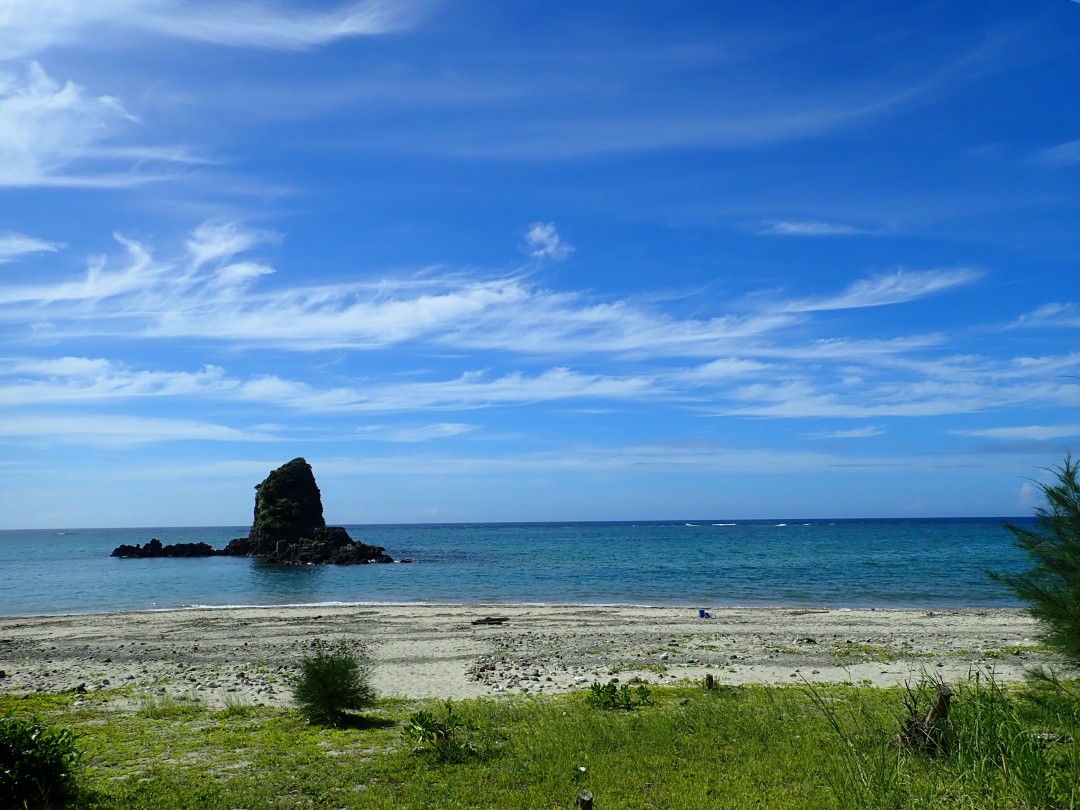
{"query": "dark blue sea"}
(706, 563)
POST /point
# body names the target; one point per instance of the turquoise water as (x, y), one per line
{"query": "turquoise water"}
(844, 563)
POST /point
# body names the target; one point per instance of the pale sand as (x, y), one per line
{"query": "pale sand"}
(246, 654)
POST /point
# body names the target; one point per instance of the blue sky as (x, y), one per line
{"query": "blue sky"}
(536, 261)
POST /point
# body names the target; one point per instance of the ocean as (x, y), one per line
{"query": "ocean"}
(901, 563)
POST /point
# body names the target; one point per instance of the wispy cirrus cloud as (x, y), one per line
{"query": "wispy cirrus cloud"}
(855, 433)
(893, 288)
(34, 382)
(32, 26)
(118, 431)
(56, 134)
(1050, 316)
(811, 228)
(469, 391)
(211, 290)
(1024, 432)
(413, 434)
(981, 390)
(13, 245)
(37, 382)
(1064, 154)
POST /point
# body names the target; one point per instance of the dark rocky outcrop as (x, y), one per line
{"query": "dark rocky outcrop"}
(155, 549)
(288, 528)
(330, 544)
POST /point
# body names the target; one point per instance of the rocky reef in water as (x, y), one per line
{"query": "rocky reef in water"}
(155, 549)
(288, 528)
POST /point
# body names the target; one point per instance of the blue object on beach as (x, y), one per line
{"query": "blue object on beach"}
(701, 614)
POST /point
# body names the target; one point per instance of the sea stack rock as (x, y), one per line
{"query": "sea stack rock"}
(288, 507)
(289, 526)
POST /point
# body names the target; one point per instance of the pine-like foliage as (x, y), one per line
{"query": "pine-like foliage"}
(1051, 587)
(332, 682)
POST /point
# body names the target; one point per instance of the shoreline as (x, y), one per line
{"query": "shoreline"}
(222, 655)
(494, 605)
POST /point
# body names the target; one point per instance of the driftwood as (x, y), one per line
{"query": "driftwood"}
(925, 733)
(492, 620)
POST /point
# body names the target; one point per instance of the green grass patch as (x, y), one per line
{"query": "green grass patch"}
(686, 748)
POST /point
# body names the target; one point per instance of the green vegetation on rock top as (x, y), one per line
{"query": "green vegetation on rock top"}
(288, 504)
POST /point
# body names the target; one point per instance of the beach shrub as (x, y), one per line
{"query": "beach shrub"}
(332, 682)
(38, 764)
(1051, 586)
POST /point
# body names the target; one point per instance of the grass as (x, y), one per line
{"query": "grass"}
(776, 747)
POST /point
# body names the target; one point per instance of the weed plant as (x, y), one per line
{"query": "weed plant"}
(453, 738)
(610, 696)
(332, 682)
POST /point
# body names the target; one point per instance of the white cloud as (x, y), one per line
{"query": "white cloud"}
(54, 134)
(542, 241)
(30, 26)
(34, 382)
(894, 288)
(977, 390)
(471, 390)
(82, 379)
(118, 431)
(1064, 154)
(810, 228)
(217, 240)
(212, 291)
(415, 434)
(13, 245)
(1050, 315)
(855, 433)
(1038, 433)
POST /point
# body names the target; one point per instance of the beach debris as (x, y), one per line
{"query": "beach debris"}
(492, 620)
(923, 733)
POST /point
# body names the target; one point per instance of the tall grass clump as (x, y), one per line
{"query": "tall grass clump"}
(331, 682)
(38, 764)
(868, 769)
(1014, 748)
(997, 748)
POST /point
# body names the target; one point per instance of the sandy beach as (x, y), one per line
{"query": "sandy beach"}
(245, 655)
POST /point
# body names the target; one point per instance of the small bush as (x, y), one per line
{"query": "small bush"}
(332, 682)
(38, 764)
